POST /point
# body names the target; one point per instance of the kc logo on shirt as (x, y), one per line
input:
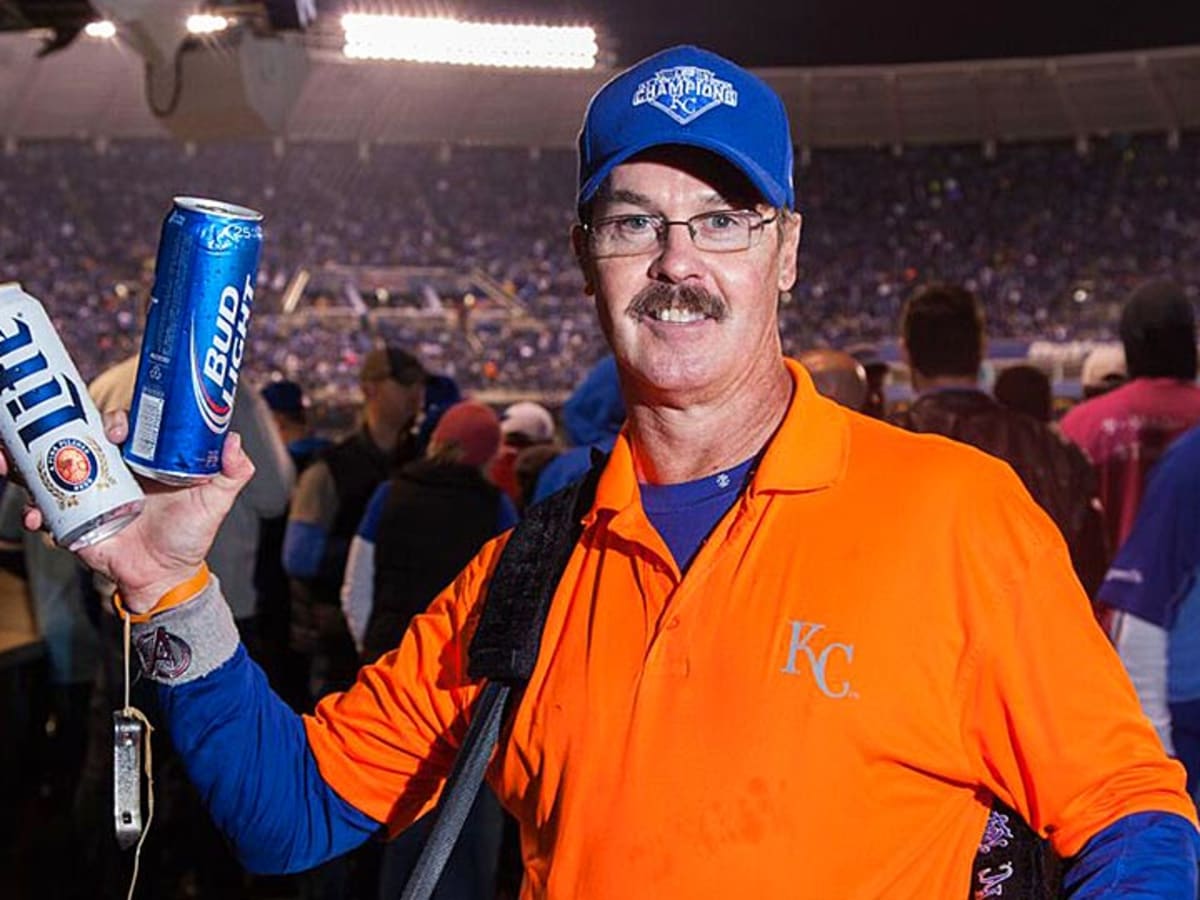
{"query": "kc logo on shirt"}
(820, 656)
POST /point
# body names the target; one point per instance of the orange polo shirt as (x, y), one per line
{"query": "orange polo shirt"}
(883, 632)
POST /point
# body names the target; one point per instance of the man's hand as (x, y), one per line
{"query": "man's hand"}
(166, 544)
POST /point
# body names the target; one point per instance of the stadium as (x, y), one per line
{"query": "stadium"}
(415, 165)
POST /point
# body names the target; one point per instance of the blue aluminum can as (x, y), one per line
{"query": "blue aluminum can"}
(194, 341)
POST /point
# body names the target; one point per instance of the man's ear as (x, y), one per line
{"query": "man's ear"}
(579, 248)
(789, 247)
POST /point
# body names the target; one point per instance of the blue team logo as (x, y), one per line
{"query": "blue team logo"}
(72, 465)
(685, 92)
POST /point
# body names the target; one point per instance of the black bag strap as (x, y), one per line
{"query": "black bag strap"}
(504, 651)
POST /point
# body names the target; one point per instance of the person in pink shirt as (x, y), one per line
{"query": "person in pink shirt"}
(1125, 431)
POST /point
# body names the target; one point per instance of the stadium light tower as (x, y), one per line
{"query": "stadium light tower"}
(208, 75)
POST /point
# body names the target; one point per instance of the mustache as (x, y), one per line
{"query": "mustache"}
(690, 298)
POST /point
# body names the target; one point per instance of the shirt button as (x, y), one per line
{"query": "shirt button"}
(673, 622)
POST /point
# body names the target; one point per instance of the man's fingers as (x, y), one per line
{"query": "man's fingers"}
(31, 518)
(116, 425)
(236, 467)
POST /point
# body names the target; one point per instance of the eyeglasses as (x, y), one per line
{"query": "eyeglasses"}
(722, 231)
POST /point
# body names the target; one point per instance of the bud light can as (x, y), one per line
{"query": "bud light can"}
(53, 432)
(194, 340)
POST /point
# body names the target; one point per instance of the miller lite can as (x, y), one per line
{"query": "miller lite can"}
(194, 340)
(53, 432)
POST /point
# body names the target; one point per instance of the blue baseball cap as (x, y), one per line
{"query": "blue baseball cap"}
(686, 95)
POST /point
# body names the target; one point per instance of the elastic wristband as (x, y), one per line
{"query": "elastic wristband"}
(181, 593)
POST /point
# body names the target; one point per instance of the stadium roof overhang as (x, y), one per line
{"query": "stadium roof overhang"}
(95, 89)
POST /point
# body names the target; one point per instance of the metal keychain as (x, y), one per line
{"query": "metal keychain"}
(128, 734)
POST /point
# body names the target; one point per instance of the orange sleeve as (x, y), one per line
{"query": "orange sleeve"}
(1049, 711)
(387, 744)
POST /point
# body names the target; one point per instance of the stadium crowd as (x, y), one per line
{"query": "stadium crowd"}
(406, 480)
(1050, 239)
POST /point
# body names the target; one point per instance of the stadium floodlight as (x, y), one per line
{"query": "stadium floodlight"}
(102, 30)
(201, 23)
(446, 40)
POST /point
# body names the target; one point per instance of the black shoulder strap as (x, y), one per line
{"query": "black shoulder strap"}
(503, 651)
(506, 642)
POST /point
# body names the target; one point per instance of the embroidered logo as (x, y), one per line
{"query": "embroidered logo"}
(819, 659)
(996, 833)
(723, 480)
(685, 92)
(164, 656)
(991, 883)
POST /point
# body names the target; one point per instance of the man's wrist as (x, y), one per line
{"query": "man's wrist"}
(143, 602)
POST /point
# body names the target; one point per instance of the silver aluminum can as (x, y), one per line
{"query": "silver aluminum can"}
(53, 432)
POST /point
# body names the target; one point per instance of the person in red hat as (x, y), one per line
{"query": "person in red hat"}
(420, 529)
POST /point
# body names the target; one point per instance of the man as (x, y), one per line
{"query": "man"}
(1103, 370)
(739, 693)
(877, 371)
(285, 400)
(330, 499)
(1126, 430)
(1155, 584)
(523, 424)
(943, 334)
(287, 670)
(1025, 388)
(836, 375)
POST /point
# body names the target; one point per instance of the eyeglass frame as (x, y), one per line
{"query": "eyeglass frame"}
(664, 225)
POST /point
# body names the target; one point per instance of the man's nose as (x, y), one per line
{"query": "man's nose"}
(677, 258)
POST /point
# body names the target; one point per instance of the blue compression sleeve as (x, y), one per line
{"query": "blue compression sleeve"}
(1150, 855)
(247, 754)
(303, 549)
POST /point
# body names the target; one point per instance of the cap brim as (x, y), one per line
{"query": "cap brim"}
(774, 193)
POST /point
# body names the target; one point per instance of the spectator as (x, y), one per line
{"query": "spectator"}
(287, 670)
(943, 337)
(877, 371)
(1125, 431)
(419, 530)
(593, 416)
(530, 464)
(330, 500)
(1103, 370)
(524, 424)
(1154, 583)
(838, 376)
(1026, 389)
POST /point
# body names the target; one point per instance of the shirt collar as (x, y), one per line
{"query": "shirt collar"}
(808, 452)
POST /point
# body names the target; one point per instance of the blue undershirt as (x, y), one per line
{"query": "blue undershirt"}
(685, 514)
